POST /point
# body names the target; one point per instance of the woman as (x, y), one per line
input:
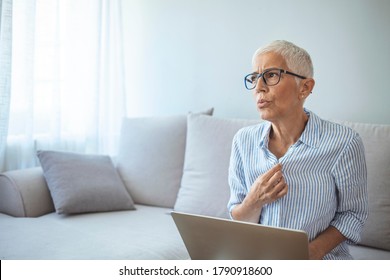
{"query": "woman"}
(296, 170)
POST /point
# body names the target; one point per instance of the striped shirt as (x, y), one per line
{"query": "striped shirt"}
(325, 171)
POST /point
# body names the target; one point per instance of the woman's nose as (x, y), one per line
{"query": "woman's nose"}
(260, 85)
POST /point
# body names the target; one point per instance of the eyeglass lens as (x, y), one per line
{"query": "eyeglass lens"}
(270, 77)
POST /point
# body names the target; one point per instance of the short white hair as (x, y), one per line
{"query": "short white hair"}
(297, 59)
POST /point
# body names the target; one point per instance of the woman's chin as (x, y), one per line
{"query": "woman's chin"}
(264, 114)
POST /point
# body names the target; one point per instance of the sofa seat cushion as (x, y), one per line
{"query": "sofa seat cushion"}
(368, 253)
(147, 233)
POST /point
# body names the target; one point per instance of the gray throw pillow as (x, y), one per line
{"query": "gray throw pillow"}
(151, 158)
(204, 187)
(81, 183)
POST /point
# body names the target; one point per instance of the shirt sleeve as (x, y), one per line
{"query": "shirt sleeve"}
(350, 175)
(238, 189)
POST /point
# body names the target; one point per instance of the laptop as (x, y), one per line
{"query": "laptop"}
(210, 238)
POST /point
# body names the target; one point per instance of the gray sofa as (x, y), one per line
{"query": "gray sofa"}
(164, 163)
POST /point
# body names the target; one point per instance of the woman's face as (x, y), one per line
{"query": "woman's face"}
(282, 100)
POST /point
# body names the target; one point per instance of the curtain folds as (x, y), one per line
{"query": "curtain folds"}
(5, 73)
(67, 82)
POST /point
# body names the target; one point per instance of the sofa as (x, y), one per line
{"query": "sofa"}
(92, 207)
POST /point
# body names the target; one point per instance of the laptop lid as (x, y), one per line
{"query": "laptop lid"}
(209, 238)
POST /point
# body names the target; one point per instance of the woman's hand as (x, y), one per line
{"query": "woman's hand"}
(267, 188)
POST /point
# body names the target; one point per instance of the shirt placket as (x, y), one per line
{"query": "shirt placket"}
(271, 213)
(276, 208)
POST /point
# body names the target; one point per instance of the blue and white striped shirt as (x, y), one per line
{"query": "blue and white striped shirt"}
(325, 171)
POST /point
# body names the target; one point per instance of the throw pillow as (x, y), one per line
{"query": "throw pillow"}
(204, 187)
(151, 158)
(81, 183)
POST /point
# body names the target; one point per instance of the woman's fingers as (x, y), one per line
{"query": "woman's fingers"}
(270, 173)
(271, 185)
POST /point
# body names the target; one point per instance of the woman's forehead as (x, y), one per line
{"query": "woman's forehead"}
(268, 60)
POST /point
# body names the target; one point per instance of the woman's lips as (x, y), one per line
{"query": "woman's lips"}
(262, 103)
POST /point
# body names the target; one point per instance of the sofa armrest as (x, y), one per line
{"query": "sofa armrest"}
(24, 193)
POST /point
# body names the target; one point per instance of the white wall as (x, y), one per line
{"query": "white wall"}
(186, 55)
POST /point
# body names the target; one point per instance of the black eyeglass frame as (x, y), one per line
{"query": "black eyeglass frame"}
(261, 75)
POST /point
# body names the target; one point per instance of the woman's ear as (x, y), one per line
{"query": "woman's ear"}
(307, 86)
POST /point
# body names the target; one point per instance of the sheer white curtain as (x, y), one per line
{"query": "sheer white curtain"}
(5, 73)
(67, 88)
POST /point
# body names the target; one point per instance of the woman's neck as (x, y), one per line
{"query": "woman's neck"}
(284, 133)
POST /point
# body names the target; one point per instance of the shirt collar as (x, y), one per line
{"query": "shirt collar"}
(310, 135)
(264, 137)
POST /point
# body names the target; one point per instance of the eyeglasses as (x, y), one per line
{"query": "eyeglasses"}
(271, 77)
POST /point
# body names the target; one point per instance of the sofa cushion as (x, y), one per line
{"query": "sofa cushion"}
(148, 233)
(151, 157)
(375, 137)
(204, 187)
(360, 252)
(81, 183)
